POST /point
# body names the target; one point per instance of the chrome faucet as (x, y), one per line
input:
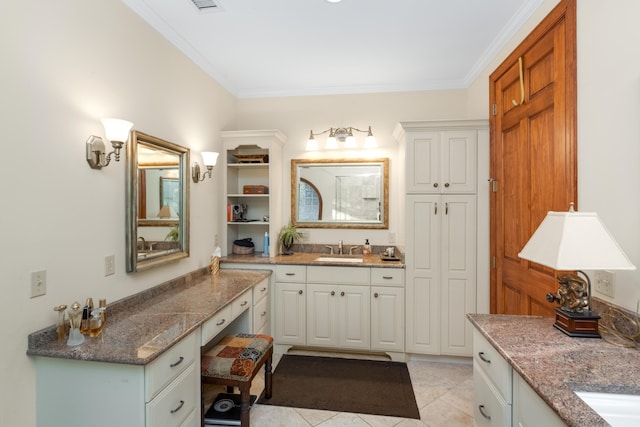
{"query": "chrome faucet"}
(330, 249)
(144, 243)
(340, 247)
(352, 248)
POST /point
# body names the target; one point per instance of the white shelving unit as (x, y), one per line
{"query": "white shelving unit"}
(261, 212)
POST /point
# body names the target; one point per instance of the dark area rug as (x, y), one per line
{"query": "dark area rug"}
(343, 385)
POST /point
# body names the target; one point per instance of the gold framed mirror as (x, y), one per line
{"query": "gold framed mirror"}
(157, 205)
(340, 193)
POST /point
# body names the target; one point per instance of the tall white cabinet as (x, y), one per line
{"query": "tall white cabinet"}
(441, 206)
(252, 158)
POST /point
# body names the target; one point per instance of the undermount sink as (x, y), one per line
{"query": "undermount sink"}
(337, 259)
(619, 410)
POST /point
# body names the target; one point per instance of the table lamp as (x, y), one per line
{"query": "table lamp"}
(575, 241)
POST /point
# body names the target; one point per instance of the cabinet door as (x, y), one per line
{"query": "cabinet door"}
(387, 318)
(458, 156)
(354, 308)
(290, 313)
(529, 410)
(458, 273)
(422, 271)
(423, 162)
(322, 319)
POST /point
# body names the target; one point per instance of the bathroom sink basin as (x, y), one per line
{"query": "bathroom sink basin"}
(619, 410)
(337, 259)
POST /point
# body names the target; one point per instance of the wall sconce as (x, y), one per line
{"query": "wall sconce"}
(344, 135)
(117, 132)
(209, 158)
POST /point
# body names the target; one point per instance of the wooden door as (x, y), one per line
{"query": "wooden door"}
(533, 156)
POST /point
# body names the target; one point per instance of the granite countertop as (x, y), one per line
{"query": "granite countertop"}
(303, 258)
(555, 364)
(154, 321)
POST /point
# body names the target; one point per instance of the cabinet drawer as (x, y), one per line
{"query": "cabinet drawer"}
(260, 291)
(169, 365)
(176, 402)
(489, 408)
(260, 314)
(493, 364)
(215, 325)
(291, 273)
(241, 303)
(387, 276)
(339, 275)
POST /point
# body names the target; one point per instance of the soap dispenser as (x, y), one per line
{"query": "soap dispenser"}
(366, 248)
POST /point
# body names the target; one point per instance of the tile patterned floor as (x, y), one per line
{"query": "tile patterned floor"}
(444, 395)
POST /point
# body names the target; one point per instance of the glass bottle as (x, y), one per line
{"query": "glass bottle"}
(75, 318)
(60, 326)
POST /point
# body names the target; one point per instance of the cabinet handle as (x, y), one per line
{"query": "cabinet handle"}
(263, 289)
(173, 365)
(435, 209)
(173, 411)
(375, 295)
(244, 303)
(484, 414)
(446, 184)
(435, 185)
(290, 274)
(300, 291)
(264, 313)
(481, 356)
(387, 277)
(446, 208)
(221, 322)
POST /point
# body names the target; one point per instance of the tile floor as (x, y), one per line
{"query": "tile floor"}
(444, 395)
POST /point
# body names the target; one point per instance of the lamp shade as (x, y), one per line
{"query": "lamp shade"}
(209, 158)
(575, 241)
(165, 212)
(116, 129)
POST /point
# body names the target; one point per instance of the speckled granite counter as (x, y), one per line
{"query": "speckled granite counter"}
(310, 259)
(555, 365)
(143, 326)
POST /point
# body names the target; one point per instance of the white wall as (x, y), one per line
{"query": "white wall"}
(66, 64)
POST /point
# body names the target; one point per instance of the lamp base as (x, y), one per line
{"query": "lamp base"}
(584, 325)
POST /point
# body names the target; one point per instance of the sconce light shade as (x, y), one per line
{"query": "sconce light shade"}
(209, 158)
(116, 131)
(312, 144)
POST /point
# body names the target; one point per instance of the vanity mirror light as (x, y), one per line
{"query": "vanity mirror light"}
(157, 208)
(340, 193)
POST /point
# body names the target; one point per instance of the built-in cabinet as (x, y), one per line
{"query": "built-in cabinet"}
(502, 398)
(252, 162)
(440, 201)
(350, 308)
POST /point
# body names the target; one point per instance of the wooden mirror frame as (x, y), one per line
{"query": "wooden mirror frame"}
(384, 222)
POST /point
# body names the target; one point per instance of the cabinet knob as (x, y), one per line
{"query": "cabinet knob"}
(435, 185)
(484, 359)
(300, 291)
(333, 293)
(446, 184)
(375, 295)
(484, 414)
(342, 293)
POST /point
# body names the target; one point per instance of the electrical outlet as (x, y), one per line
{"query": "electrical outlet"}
(38, 283)
(604, 282)
(109, 265)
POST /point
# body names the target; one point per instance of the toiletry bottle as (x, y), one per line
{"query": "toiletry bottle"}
(86, 316)
(366, 248)
(75, 316)
(95, 323)
(265, 252)
(61, 328)
(103, 305)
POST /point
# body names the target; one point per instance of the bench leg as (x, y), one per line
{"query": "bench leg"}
(245, 405)
(267, 378)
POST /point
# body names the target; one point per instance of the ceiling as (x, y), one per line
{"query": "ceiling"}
(267, 48)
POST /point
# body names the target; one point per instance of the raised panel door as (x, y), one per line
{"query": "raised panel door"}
(458, 169)
(387, 318)
(354, 317)
(322, 319)
(290, 313)
(423, 162)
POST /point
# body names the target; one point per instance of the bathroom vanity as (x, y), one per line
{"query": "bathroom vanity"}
(143, 370)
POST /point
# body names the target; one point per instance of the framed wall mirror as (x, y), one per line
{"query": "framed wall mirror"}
(157, 208)
(340, 193)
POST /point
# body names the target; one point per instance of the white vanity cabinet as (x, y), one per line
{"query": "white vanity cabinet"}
(529, 410)
(387, 309)
(164, 393)
(338, 307)
(290, 305)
